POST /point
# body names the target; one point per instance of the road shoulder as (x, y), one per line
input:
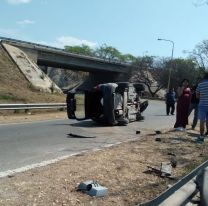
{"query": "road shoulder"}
(120, 168)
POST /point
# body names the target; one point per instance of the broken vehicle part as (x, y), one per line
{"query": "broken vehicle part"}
(92, 188)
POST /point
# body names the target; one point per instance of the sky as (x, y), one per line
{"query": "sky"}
(131, 26)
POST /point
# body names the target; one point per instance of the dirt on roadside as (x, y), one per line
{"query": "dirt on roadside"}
(14, 88)
(33, 115)
(120, 168)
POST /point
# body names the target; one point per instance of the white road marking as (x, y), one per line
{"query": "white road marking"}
(41, 164)
(47, 162)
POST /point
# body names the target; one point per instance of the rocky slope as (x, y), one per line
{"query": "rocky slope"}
(14, 87)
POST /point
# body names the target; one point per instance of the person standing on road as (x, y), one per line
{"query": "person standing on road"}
(170, 101)
(202, 94)
(184, 99)
(194, 106)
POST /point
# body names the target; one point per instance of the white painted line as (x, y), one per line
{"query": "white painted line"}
(47, 162)
(32, 166)
(96, 149)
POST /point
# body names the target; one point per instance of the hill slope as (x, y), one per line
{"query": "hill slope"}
(15, 88)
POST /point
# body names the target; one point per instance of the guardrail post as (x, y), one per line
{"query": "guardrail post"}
(180, 196)
(176, 195)
(202, 183)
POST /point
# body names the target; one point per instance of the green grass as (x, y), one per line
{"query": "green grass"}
(6, 97)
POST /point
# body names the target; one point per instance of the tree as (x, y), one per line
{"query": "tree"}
(183, 69)
(200, 54)
(105, 52)
(108, 52)
(149, 71)
(128, 58)
(111, 53)
(154, 72)
(83, 50)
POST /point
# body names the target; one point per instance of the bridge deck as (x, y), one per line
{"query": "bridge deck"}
(56, 57)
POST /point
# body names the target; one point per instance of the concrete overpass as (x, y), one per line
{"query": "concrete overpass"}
(58, 58)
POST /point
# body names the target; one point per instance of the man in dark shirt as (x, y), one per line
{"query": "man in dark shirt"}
(170, 101)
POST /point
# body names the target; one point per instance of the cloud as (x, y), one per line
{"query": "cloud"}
(73, 41)
(25, 22)
(62, 41)
(12, 33)
(18, 1)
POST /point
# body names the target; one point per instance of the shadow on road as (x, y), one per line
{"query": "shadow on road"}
(79, 124)
(61, 124)
(88, 123)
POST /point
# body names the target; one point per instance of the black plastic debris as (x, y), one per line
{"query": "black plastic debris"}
(158, 139)
(165, 170)
(138, 132)
(158, 132)
(173, 163)
(79, 136)
(172, 154)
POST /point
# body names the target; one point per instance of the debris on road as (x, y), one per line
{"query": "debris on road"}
(138, 132)
(120, 168)
(158, 139)
(158, 132)
(175, 141)
(173, 162)
(10, 176)
(165, 170)
(180, 129)
(79, 136)
(92, 188)
(171, 153)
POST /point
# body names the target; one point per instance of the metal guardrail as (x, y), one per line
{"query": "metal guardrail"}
(30, 43)
(178, 192)
(32, 106)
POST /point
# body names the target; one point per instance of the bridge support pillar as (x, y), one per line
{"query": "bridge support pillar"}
(45, 69)
(96, 78)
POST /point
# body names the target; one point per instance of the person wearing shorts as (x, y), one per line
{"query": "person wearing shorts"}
(202, 94)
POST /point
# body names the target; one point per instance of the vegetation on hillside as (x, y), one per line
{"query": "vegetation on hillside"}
(152, 70)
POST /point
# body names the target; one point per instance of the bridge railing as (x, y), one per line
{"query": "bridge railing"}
(31, 43)
(36, 45)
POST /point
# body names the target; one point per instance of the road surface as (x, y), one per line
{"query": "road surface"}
(24, 144)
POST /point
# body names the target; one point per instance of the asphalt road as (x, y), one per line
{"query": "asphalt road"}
(24, 144)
